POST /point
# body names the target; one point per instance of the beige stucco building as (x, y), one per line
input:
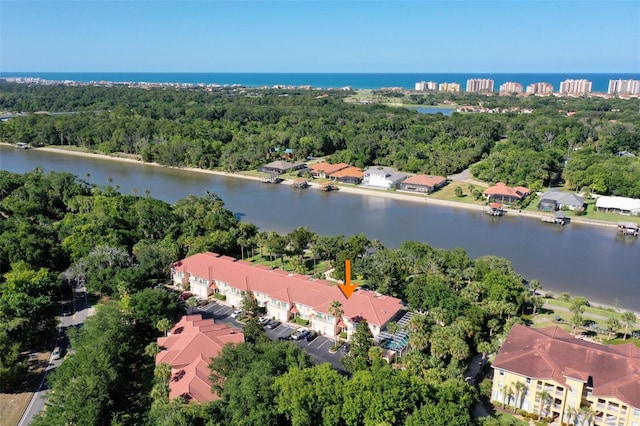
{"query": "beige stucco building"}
(560, 375)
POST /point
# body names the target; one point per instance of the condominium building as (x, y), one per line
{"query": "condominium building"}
(549, 372)
(449, 87)
(511, 87)
(426, 86)
(284, 295)
(541, 88)
(624, 87)
(575, 87)
(478, 85)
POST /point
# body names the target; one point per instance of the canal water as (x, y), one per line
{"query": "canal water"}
(584, 260)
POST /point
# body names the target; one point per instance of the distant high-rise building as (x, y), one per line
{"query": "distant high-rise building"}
(480, 85)
(426, 86)
(449, 87)
(511, 87)
(541, 88)
(575, 87)
(624, 87)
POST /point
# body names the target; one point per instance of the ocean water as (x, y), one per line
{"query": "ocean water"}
(326, 80)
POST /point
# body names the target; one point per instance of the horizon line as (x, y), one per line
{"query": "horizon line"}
(327, 72)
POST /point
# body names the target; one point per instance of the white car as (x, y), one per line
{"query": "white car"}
(236, 313)
(56, 353)
(299, 334)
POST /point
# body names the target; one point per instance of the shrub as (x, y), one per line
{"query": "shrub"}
(300, 321)
(219, 296)
(580, 211)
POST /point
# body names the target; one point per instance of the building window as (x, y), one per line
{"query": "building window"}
(528, 381)
(501, 372)
(636, 412)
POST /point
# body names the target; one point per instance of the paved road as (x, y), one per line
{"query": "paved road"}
(77, 311)
(318, 349)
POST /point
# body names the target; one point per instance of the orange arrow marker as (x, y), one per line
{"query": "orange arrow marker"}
(347, 288)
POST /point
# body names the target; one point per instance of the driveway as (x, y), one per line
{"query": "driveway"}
(318, 349)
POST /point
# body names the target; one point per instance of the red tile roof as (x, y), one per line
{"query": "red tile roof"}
(349, 172)
(328, 168)
(502, 189)
(425, 180)
(188, 348)
(294, 288)
(553, 354)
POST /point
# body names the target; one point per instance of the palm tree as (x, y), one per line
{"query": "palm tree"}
(545, 401)
(586, 415)
(612, 326)
(162, 372)
(163, 325)
(419, 331)
(191, 303)
(571, 415)
(629, 319)
(520, 389)
(484, 348)
(335, 309)
(534, 286)
(507, 394)
(152, 349)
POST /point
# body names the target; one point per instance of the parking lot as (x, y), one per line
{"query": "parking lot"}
(318, 348)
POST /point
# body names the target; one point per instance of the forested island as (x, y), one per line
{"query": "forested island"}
(582, 142)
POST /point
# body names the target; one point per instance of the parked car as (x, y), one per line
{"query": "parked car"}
(236, 313)
(56, 353)
(311, 336)
(263, 321)
(67, 309)
(185, 295)
(346, 348)
(299, 334)
(273, 324)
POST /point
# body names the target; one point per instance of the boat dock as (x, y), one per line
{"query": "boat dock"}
(272, 179)
(300, 184)
(560, 218)
(495, 209)
(327, 186)
(628, 228)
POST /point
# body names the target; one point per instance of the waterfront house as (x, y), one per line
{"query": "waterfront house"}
(422, 183)
(188, 349)
(505, 194)
(284, 295)
(351, 175)
(279, 167)
(382, 177)
(559, 374)
(554, 199)
(324, 169)
(620, 205)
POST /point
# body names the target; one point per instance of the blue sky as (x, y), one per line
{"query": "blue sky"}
(320, 36)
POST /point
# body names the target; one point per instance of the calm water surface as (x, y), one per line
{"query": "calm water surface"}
(584, 260)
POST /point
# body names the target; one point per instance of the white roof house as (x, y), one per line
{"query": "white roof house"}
(382, 177)
(622, 205)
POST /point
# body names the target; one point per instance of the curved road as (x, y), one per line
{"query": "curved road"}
(38, 399)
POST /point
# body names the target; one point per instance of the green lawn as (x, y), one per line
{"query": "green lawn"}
(448, 193)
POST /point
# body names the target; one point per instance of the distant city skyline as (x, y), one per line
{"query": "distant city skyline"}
(320, 36)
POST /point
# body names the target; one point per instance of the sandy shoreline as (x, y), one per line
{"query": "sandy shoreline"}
(395, 195)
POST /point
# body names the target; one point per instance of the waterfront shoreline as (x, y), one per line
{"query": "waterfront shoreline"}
(394, 195)
(413, 201)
